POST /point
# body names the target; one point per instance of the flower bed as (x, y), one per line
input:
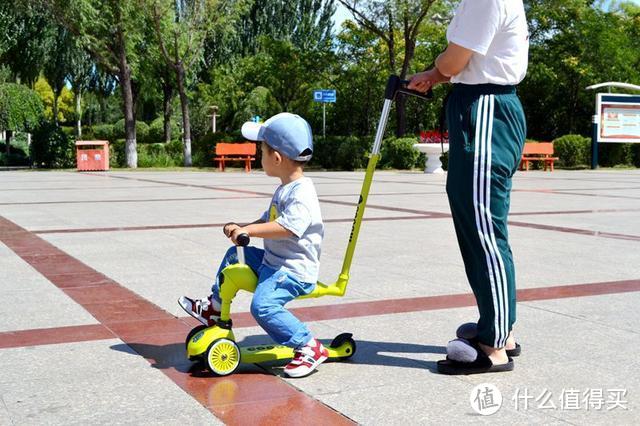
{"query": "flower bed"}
(434, 136)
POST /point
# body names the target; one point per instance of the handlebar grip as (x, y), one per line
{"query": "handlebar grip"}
(225, 227)
(403, 89)
(243, 240)
(395, 86)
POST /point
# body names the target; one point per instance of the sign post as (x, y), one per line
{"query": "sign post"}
(325, 96)
(617, 118)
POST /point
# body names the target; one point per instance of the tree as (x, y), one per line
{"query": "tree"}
(57, 66)
(574, 45)
(283, 47)
(158, 77)
(65, 100)
(110, 31)
(397, 23)
(284, 69)
(20, 109)
(25, 39)
(181, 30)
(81, 68)
(102, 87)
(307, 24)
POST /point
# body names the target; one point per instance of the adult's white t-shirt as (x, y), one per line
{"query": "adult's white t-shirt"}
(497, 33)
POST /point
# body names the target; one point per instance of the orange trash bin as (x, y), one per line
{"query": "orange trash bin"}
(92, 155)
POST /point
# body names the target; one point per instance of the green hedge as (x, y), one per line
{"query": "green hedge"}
(332, 153)
(615, 154)
(104, 132)
(340, 152)
(400, 154)
(149, 155)
(444, 159)
(142, 131)
(156, 131)
(155, 155)
(203, 149)
(572, 150)
(17, 156)
(636, 154)
(575, 151)
(153, 133)
(51, 147)
(351, 153)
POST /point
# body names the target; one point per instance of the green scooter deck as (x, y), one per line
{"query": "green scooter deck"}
(264, 353)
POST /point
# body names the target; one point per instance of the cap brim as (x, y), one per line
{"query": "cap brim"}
(251, 131)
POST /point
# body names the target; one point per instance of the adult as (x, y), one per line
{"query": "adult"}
(485, 59)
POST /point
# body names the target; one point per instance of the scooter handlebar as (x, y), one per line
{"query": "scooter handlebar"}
(395, 85)
(403, 89)
(243, 240)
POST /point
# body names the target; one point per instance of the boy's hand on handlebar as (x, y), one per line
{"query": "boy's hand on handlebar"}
(237, 230)
(229, 228)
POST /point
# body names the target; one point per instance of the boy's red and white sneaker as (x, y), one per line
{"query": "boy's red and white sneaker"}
(306, 359)
(205, 310)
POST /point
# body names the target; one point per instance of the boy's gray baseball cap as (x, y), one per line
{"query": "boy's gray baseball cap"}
(287, 133)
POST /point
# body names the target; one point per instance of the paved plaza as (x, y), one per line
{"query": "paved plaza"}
(91, 266)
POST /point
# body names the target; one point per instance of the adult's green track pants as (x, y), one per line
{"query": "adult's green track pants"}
(487, 131)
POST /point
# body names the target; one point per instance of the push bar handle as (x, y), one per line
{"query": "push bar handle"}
(396, 85)
(243, 241)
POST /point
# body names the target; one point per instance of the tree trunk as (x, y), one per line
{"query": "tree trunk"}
(78, 114)
(54, 107)
(401, 103)
(7, 141)
(186, 124)
(167, 89)
(401, 107)
(127, 100)
(103, 108)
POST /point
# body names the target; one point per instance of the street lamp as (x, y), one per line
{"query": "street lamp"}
(214, 114)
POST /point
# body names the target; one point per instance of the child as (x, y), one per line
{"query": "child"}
(292, 230)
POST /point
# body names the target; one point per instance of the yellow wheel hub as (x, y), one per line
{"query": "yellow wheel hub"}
(223, 357)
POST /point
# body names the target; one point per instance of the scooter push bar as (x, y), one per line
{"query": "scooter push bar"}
(243, 241)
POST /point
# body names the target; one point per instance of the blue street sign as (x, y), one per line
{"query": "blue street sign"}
(324, 95)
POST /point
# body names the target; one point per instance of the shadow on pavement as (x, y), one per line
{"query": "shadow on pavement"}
(172, 355)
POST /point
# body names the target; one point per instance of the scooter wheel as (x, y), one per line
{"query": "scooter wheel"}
(223, 357)
(340, 340)
(192, 333)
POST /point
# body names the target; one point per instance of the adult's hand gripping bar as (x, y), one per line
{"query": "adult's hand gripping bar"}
(396, 85)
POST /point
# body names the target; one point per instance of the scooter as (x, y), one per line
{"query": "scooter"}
(216, 346)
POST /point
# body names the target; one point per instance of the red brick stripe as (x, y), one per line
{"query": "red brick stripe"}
(135, 329)
(48, 336)
(204, 225)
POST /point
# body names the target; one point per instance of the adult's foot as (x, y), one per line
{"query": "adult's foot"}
(469, 331)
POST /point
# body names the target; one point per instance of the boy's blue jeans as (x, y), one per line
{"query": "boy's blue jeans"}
(274, 290)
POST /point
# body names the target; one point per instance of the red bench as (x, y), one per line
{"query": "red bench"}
(235, 152)
(537, 151)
